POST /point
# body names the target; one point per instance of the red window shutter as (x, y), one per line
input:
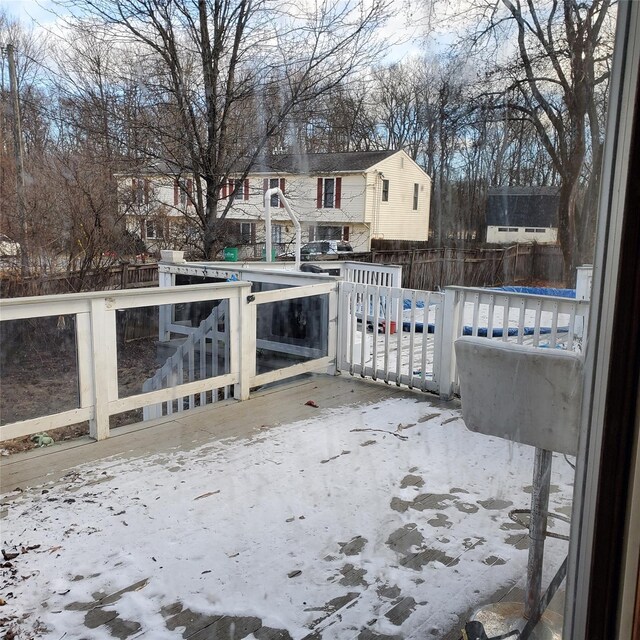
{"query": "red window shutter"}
(224, 190)
(319, 194)
(282, 189)
(338, 193)
(134, 190)
(345, 233)
(146, 191)
(246, 191)
(189, 188)
(176, 193)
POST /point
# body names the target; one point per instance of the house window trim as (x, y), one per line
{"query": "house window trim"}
(156, 225)
(385, 190)
(281, 184)
(321, 193)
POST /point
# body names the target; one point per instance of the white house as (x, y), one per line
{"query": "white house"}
(354, 196)
(522, 214)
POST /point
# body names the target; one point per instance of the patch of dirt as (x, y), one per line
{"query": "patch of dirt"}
(42, 381)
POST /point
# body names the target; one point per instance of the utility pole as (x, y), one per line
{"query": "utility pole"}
(19, 153)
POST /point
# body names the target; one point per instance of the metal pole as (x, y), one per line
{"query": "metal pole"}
(537, 529)
(17, 145)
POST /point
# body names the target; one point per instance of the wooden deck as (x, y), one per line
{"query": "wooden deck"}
(279, 404)
(266, 409)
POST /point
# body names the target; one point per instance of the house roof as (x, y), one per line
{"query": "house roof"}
(316, 163)
(302, 163)
(522, 206)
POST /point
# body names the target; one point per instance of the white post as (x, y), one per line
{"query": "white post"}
(267, 223)
(105, 380)
(332, 334)
(344, 318)
(166, 311)
(448, 333)
(242, 324)
(84, 348)
(584, 280)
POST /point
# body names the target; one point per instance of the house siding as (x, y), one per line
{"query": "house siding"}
(494, 236)
(396, 219)
(360, 202)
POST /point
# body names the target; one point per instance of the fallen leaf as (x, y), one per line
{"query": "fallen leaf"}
(311, 403)
(293, 574)
(10, 555)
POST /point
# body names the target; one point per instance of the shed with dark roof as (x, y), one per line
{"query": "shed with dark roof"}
(523, 207)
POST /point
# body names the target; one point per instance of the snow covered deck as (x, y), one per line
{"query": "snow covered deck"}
(375, 515)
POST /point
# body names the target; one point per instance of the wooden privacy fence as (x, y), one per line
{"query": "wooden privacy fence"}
(123, 276)
(434, 269)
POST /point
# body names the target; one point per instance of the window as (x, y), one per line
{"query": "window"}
(327, 232)
(385, 191)
(248, 232)
(140, 188)
(274, 183)
(154, 230)
(182, 192)
(534, 230)
(329, 193)
(507, 229)
(416, 189)
(276, 234)
(236, 189)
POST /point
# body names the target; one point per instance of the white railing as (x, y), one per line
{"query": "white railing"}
(400, 336)
(406, 336)
(96, 345)
(535, 320)
(373, 343)
(202, 352)
(369, 273)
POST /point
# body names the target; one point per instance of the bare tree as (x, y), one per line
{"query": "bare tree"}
(226, 74)
(558, 83)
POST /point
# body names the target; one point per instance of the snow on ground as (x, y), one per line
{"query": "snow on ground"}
(258, 527)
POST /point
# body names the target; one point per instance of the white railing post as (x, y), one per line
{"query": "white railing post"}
(449, 332)
(105, 381)
(332, 334)
(242, 324)
(84, 351)
(166, 312)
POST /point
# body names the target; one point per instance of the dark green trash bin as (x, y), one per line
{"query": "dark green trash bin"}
(231, 254)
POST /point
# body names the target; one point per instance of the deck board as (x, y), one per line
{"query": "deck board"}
(282, 403)
(419, 517)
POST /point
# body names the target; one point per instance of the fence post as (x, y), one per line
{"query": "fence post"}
(243, 325)
(124, 276)
(449, 332)
(332, 335)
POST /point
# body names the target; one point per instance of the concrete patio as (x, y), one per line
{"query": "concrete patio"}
(375, 514)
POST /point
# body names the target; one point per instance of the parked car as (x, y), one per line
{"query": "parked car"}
(325, 248)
